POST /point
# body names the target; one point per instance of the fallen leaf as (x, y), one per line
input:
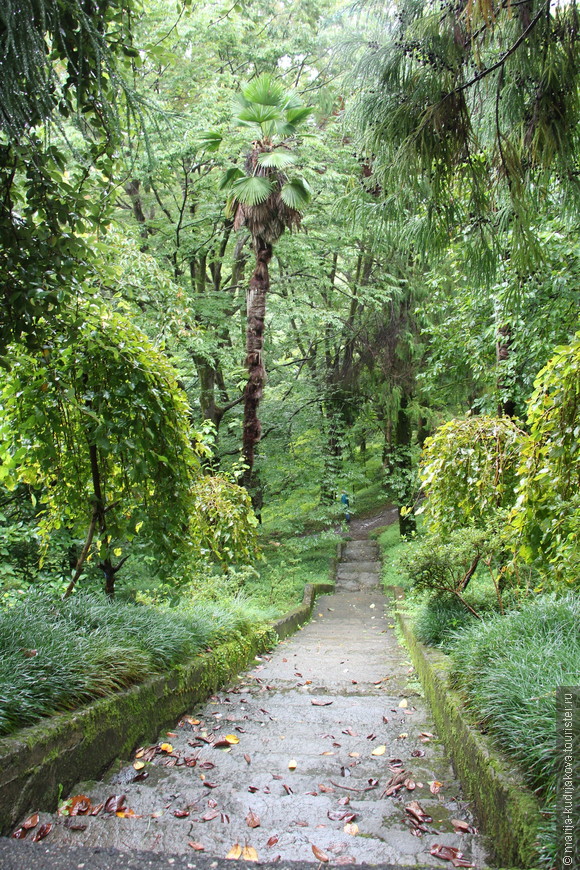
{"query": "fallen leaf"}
(354, 754)
(435, 786)
(80, 805)
(212, 804)
(319, 854)
(127, 814)
(231, 738)
(181, 814)
(166, 747)
(344, 801)
(96, 810)
(350, 732)
(410, 784)
(402, 736)
(380, 750)
(138, 765)
(235, 852)
(418, 753)
(247, 759)
(287, 789)
(224, 818)
(324, 788)
(31, 822)
(272, 841)
(20, 833)
(139, 778)
(463, 827)
(210, 784)
(292, 764)
(42, 832)
(341, 816)
(171, 734)
(328, 752)
(252, 820)
(403, 703)
(210, 816)
(449, 853)
(318, 703)
(197, 846)
(249, 854)
(73, 824)
(386, 720)
(351, 829)
(416, 811)
(114, 803)
(253, 788)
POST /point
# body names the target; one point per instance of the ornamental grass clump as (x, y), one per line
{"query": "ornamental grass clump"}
(508, 668)
(58, 655)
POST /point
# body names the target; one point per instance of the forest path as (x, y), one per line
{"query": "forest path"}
(336, 758)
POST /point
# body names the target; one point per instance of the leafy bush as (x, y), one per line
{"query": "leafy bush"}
(547, 510)
(508, 669)
(57, 655)
(469, 470)
(437, 620)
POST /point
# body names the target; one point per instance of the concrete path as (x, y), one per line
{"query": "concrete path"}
(324, 752)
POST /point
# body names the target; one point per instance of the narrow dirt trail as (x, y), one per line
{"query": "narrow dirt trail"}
(323, 752)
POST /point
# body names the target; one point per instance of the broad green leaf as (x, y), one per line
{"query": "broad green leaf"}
(252, 191)
(296, 116)
(296, 194)
(210, 141)
(265, 90)
(277, 159)
(257, 114)
(229, 176)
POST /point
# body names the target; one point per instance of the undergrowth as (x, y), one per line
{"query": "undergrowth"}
(508, 670)
(57, 655)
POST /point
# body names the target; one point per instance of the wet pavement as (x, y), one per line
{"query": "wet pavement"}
(324, 752)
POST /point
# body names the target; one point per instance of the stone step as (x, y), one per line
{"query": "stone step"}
(354, 566)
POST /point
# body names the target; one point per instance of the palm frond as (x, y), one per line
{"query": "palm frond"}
(229, 176)
(210, 141)
(265, 91)
(296, 193)
(258, 114)
(297, 115)
(252, 191)
(277, 159)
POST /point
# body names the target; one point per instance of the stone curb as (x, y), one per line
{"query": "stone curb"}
(508, 811)
(39, 763)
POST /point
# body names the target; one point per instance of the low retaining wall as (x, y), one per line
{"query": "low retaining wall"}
(39, 763)
(507, 810)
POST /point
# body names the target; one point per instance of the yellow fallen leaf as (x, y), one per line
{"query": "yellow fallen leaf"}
(292, 765)
(235, 852)
(166, 747)
(231, 738)
(402, 736)
(354, 754)
(249, 854)
(138, 765)
(403, 703)
(139, 753)
(351, 829)
(380, 750)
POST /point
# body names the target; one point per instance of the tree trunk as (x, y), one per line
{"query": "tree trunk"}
(256, 315)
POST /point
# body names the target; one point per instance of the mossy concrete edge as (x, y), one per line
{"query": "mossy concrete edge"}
(39, 763)
(506, 809)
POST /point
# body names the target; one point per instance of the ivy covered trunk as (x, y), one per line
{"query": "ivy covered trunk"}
(256, 315)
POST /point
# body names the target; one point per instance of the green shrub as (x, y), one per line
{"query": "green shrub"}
(437, 620)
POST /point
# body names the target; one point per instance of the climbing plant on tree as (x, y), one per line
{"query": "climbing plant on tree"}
(266, 200)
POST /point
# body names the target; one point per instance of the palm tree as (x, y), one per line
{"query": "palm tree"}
(266, 200)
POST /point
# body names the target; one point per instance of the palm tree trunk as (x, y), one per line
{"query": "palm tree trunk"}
(256, 315)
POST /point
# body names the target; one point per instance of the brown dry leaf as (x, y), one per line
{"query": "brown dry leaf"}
(287, 788)
(328, 752)
(410, 784)
(114, 803)
(235, 852)
(380, 750)
(212, 804)
(417, 753)
(210, 784)
(416, 811)
(350, 732)
(170, 734)
(31, 822)
(73, 824)
(435, 786)
(249, 854)
(318, 703)
(351, 829)
(197, 846)
(344, 801)
(252, 820)
(461, 827)
(96, 810)
(449, 853)
(319, 854)
(181, 814)
(272, 841)
(247, 759)
(210, 816)
(42, 832)
(19, 833)
(80, 805)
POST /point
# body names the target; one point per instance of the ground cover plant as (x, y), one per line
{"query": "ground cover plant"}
(508, 669)
(58, 655)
